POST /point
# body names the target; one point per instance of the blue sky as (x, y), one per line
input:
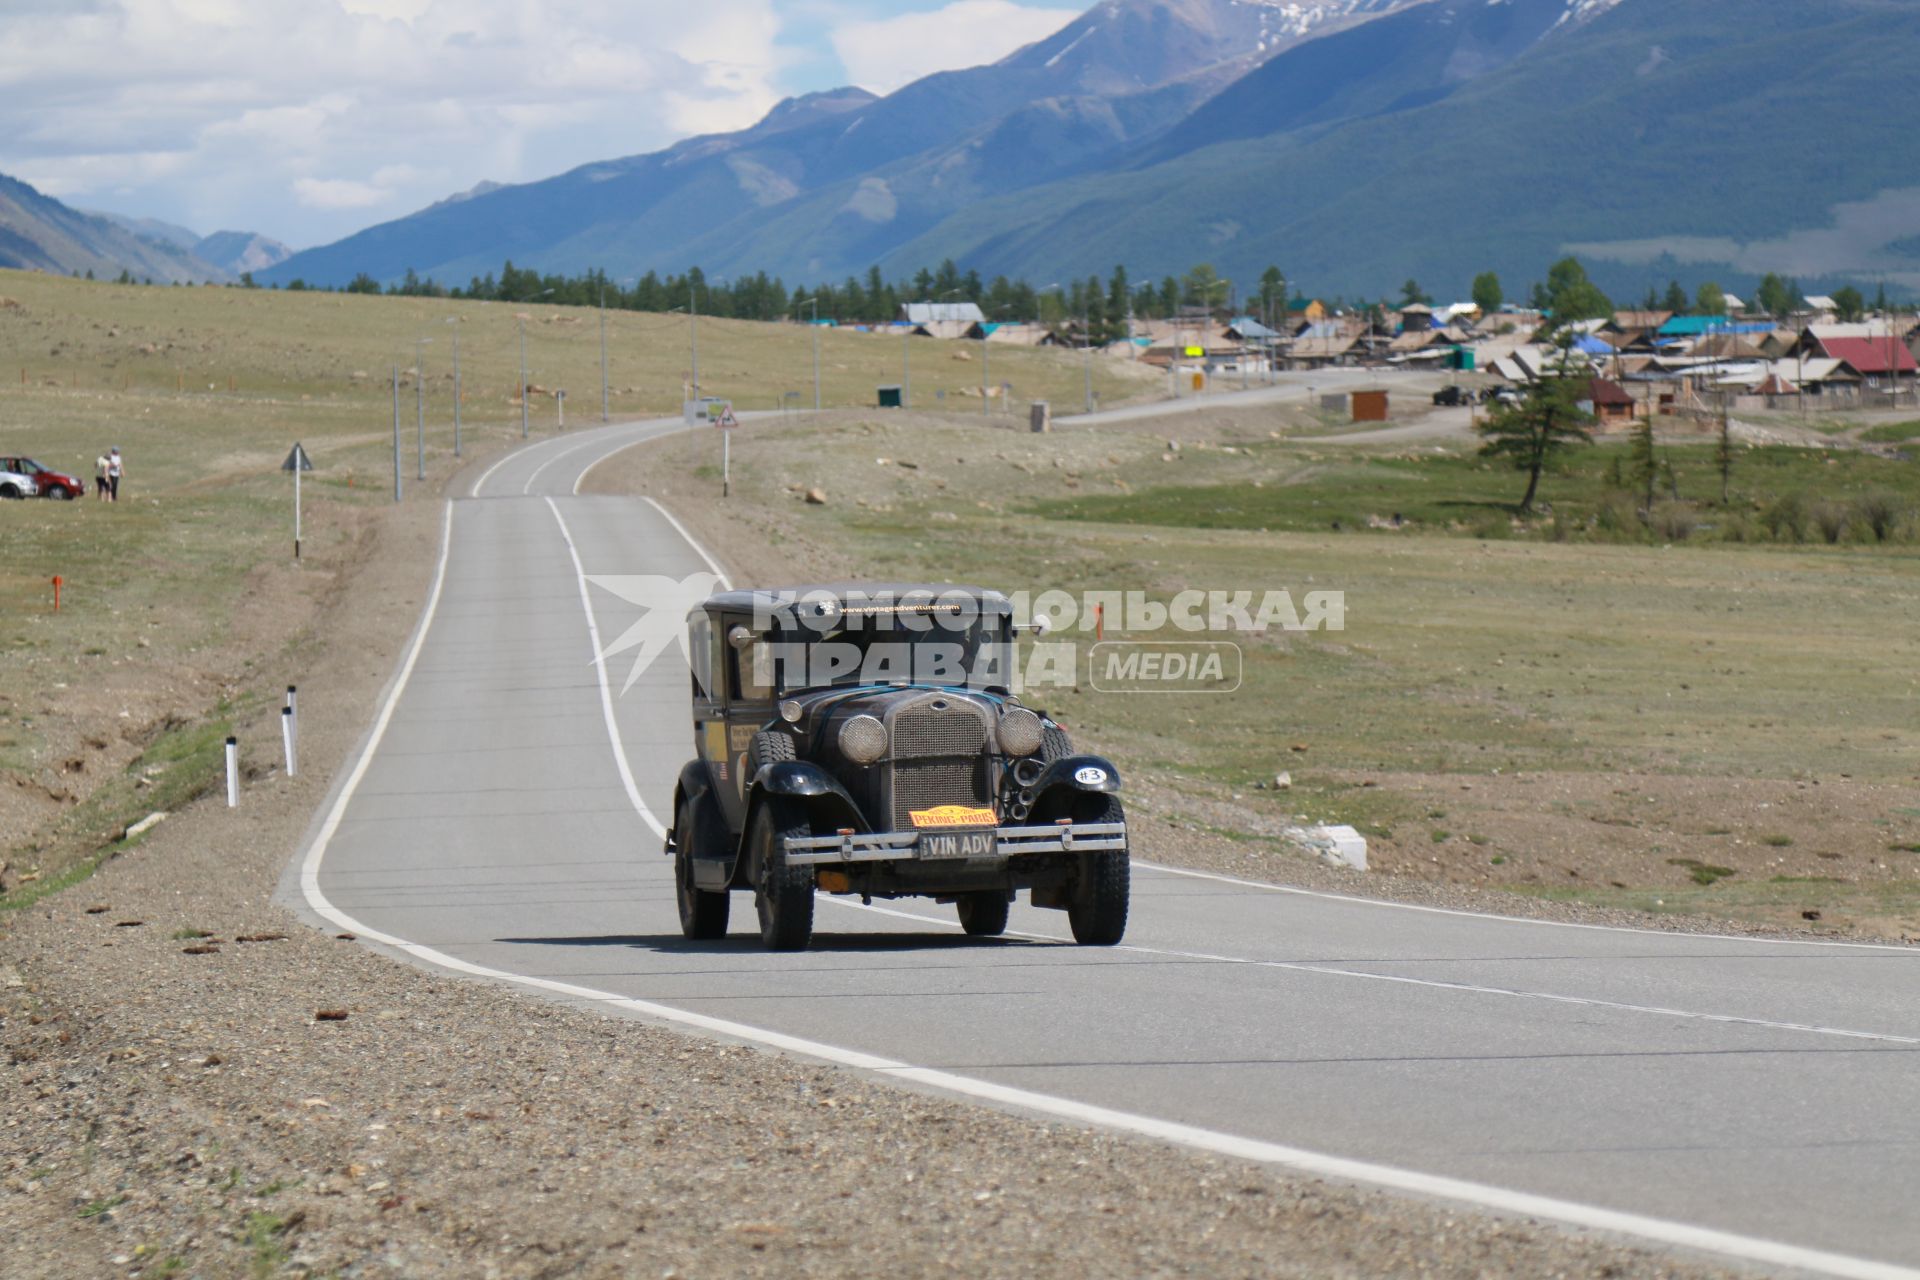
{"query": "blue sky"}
(310, 119)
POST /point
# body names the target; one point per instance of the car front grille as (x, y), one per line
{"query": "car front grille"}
(939, 757)
(931, 730)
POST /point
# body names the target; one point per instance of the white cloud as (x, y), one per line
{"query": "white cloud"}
(885, 53)
(306, 119)
(338, 193)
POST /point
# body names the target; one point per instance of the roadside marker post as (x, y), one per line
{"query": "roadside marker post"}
(233, 773)
(57, 581)
(286, 739)
(297, 462)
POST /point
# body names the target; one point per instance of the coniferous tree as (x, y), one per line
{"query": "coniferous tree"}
(1544, 423)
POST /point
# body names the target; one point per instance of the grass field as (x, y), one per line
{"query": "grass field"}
(1585, 497)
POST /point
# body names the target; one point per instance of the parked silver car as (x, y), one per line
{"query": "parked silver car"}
(16, 484)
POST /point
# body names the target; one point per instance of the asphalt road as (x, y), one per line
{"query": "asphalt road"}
(1760, 1099)
(1286, 388)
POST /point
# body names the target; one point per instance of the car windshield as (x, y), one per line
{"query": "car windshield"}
(891, 647)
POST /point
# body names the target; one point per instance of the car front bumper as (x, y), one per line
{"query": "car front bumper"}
(906, 846)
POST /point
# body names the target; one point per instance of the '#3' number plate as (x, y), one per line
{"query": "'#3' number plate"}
(956, 844)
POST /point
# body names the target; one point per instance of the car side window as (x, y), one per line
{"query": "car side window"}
(700, 642)
(749, 674)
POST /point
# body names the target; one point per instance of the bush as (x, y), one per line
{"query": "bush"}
(1880, 514)
(1493, 528)
(1672, 521)
(1785, 519)
(1617, 515)
(1831, 519)
(1737, 527)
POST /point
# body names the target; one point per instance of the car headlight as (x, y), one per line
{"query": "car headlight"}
(1019, 732)
(863, 739)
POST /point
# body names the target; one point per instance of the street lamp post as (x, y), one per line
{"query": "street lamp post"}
(606, 403)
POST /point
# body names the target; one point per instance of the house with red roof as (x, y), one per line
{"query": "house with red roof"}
(1875, 357)
(1610, 400)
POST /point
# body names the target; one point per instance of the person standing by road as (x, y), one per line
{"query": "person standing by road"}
(114, 468)
(100, 465)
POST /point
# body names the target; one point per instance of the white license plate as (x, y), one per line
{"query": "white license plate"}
(957, 844)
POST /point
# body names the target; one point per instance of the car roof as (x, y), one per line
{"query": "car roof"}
(747, 599)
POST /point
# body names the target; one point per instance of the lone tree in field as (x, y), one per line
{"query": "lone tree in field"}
(1546, 422)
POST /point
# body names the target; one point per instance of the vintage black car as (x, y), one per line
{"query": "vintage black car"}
(866, 739)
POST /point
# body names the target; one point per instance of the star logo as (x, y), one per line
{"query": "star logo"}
(665, 602)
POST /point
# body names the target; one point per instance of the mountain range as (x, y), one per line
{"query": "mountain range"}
(39, 233)
(1355, 143)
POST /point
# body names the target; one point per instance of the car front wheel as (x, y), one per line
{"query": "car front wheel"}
(59, 493)
(983, 915)
(782, 892)
(1097, 906)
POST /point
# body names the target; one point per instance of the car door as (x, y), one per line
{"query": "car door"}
(748, 707)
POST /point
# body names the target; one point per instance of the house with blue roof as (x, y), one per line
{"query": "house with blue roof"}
(1701, 326)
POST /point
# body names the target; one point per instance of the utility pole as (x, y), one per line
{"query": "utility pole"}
(906, 369)
(815, 326)
(420, 408)
(693, 335)
(521, 319)
(986, 400)
(396, 431)
(456, 389)
(606, 402)
(1086, 326)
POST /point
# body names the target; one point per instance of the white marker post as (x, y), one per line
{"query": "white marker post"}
(296, 462)
(233, 773)
(286, 739)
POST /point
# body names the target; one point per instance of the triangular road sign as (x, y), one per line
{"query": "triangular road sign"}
(297, 460)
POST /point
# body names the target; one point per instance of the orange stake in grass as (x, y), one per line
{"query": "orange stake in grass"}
(57, 580)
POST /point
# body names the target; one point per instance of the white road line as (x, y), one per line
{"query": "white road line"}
(499, 462)
(693, 542)
(606, 693)
(1356, 900)
(1766, 1252)
(527, 488)
(588, 469)
(310, 866)
(1471, 988)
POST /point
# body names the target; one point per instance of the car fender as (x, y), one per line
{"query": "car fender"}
(828, 803)
(693, 784)
(1077, 773)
